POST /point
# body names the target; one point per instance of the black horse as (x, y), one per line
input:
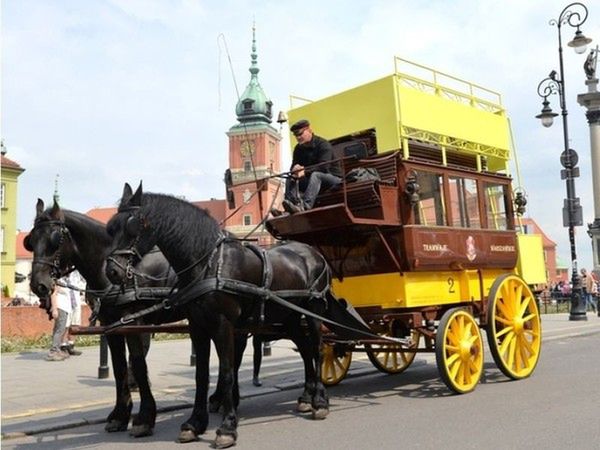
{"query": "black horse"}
(61, 240)
(208, 264)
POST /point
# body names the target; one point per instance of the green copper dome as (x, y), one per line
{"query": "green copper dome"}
(253, 105)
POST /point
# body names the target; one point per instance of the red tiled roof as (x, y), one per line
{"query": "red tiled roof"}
(547, 242)
(21, 252)
(216, 208)
(7, 162)
(102, 214)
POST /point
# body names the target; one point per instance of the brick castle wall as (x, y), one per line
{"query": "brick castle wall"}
(31, 321)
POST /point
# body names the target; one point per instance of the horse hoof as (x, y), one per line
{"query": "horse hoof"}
(256, 382)
(320, 414)
(187, 436)
(141, 431)
(115, 425)
(303, 407)
(224, 441)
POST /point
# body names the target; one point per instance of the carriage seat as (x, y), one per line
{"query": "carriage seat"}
(375, 199)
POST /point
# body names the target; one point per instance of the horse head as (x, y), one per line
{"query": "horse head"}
(49, 241)
(131, 234)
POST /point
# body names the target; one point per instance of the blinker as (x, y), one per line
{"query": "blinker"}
(55, 238)
(27, 243)
(133, 226)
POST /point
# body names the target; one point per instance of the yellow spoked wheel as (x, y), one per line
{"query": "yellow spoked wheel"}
(514, 330)
(391, 358)
(459, 350)
(335, 364)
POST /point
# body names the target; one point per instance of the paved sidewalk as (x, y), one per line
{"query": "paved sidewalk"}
(39, 396)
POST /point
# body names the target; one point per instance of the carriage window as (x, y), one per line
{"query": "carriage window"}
(247, 219)
(430, 210)
(495, 197)
(464, 203)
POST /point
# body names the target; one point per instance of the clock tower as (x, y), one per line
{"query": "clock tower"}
(254, 154)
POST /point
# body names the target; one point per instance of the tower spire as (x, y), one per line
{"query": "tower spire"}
(56, 197)
(253, 105)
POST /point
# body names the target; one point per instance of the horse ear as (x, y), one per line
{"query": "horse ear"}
(127, 192)
(39, 207)
(56, 212)
(126, 195)
(136, 200)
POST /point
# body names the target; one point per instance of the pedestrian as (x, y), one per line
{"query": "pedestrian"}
(305, 182)
(59, 310)
(587, 283)
(68, 342)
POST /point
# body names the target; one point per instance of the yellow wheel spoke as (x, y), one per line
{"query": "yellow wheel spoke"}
(504, 330)
(529, 317)
(502, 308)
(452, 359)
(511, 351)
(524, 305)
(504, 321)
(503, 347)
(527, 345)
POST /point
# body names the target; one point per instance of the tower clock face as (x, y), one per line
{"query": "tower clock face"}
(247, 148)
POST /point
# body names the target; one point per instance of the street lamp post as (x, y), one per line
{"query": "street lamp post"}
(574, 15)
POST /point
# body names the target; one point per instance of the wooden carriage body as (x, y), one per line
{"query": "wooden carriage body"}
(434, 238)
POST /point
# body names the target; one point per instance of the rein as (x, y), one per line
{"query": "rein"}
(200, 287)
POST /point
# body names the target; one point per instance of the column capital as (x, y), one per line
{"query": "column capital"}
(593, 116)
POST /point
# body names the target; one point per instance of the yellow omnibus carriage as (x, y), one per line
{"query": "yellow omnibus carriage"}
(427, 249)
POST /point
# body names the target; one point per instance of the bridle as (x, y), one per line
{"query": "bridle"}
(133, 227)
(57, 239)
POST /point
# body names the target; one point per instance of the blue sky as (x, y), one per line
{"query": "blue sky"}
(108, 91)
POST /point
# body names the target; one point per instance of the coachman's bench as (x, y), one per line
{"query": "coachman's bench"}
(375, 199)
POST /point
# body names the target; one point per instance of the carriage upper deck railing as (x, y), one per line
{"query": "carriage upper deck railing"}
(465, 91)
(416, 103)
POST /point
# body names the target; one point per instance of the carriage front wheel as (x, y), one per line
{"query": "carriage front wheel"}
(514, 328)
(393, 358)
(459, 350)
(336, 362)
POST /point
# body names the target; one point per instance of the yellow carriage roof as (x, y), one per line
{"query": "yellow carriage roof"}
(420, 104)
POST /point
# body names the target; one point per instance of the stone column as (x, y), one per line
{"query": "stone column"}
(591, 101)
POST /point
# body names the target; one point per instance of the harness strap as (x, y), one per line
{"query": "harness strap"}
(236, 287)
(267, 275)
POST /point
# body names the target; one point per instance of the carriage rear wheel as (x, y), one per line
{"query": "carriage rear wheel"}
(459, 350)
(514, 328)
(336, 362)
(392, 358)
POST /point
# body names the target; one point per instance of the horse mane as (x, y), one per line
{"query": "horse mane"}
(181, 223)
